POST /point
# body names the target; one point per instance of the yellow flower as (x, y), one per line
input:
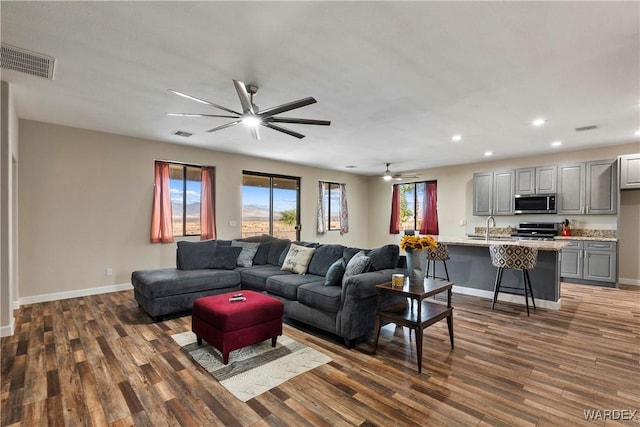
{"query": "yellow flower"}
(417, 243)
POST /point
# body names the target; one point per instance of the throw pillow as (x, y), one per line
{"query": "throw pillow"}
(276, 248)
(357, 264)
(262, 253)
(195, 255)
(249, 249)
(384, 257)
(225, 257)
(297, 259)
(335, 273)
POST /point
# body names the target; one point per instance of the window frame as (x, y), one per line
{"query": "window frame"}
(272, 177)
(327, 214)
(415, 202)
(184, 167)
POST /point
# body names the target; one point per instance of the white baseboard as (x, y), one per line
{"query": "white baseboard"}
(624, 281)
(74, 294)
(7, 331)
(516, 299)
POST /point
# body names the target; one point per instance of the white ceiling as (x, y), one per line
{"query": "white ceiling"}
(396, 79)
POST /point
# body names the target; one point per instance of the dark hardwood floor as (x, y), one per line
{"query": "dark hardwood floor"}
(99, 360)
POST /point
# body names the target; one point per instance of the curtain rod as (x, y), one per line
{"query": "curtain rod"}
(182, 163)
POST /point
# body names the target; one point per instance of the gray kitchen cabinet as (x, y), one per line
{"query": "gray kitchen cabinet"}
(600, 261)
(601, 187)
(482, 193)
(493, 193)
(590, 261)
(587, 188)
(503, 192)
(570, 197)
(571, 263)
(629, 166)
(538, 180)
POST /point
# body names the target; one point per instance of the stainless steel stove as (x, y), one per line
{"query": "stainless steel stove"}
(537, 230)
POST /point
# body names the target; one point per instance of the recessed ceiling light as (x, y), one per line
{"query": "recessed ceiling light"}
(538, 122)
(637, 133)
(456, 137)
(488, 153)
(556, 143)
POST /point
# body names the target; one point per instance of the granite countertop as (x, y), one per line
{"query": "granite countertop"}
(543, 245)
(596, 239)
(508, 236)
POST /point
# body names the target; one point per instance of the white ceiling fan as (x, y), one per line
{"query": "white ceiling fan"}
(251, 116)
(388, 175)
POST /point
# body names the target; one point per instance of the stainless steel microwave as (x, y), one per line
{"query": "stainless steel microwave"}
(535, 204)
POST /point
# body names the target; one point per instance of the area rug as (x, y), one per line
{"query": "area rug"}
(254, 369)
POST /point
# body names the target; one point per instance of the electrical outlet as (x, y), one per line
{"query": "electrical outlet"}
(233, 224)
(109, 271)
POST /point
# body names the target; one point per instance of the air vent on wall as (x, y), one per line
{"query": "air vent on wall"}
(585, 128)
(182, 133)
(24, 61)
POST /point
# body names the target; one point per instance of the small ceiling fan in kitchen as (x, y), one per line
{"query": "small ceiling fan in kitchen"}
(388, 175)
(251, 116)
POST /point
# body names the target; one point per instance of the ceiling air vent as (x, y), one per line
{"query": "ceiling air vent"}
(182, 133)
(585, 128)
(24, 61)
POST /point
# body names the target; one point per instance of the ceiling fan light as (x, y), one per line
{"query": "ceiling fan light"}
(387, 176)
(251, 121)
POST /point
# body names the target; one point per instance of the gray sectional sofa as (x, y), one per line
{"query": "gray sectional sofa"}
(335, 294)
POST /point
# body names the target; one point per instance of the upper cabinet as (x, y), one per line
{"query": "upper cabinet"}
(493, 192)
(587, 188)
(580, 188)
(629, 166)
(540, 180)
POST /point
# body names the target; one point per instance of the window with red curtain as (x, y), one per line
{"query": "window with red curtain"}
(184, 202)
(414, 207)
(207, 204)
(430, 209)
(161, 221)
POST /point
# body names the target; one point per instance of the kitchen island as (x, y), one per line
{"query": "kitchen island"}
(472, 273)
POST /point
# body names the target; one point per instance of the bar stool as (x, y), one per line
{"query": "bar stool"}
(439, 253)
(515, 257)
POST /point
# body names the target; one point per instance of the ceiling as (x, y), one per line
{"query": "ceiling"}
(396, 79)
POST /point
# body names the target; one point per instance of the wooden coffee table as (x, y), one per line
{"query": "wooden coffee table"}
(426, 314)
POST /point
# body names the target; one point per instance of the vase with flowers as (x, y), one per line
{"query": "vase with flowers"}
(416, 248)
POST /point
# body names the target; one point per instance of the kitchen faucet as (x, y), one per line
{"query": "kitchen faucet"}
(491, 220)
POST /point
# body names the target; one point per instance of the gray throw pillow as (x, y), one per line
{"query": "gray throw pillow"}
(261, 255)
(384, 257)
(335, 273)
(357, 264)
(249, 249)
(276, 248)
(225, 257)
(195, 255)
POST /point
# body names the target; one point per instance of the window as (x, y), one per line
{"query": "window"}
(185, 187)
(332, 207)
(415, 207)
(270, 205)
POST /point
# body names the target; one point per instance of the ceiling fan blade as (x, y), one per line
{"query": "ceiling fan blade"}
(281, 129)
(201, 115)
(297, 121)
(286, 107)
(202, 101)
(226, 125)
(245, 99)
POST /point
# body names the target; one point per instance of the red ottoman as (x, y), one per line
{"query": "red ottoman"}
(229, 326)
